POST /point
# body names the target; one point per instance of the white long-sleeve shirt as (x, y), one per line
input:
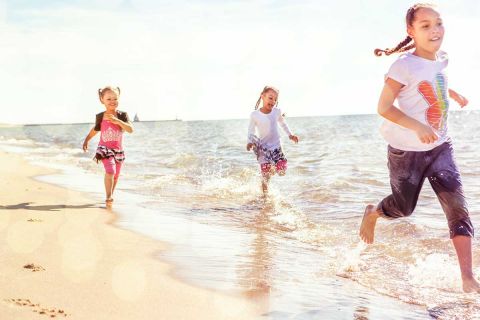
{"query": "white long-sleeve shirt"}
(266, 125)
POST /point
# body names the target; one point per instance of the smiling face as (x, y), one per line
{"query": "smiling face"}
(269, 99)
(110, 100)
(427, 31)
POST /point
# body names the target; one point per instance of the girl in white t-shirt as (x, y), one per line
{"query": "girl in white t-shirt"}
(267, 145)
(417, 133)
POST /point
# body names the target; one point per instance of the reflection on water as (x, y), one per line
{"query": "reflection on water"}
(361, 313)
(256, 275)
(295, 252)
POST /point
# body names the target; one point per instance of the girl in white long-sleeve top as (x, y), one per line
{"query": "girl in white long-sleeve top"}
(267, 145)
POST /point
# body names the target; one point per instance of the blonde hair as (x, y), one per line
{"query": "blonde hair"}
(102, 91)
(405, 45)
(265, 90)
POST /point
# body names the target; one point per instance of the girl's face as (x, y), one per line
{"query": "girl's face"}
(269, 99)
(427, 31)
(110, 100)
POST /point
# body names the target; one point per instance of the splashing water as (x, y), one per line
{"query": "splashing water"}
(194, 185)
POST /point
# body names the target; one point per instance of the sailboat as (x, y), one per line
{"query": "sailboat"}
(135, 119)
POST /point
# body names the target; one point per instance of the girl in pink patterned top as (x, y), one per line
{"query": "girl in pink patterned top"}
(111, 123)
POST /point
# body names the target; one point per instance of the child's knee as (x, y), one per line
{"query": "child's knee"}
(399, 211)
(407, 212)
(109, 167)
(393, 210)
(118, 167)
(110, 171)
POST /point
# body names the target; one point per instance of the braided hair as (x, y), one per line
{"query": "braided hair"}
(405, 45)
(265, 90)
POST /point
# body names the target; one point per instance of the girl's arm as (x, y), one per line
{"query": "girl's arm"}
(284, 125)
(461, 100)
(90, 135)
(251, 131)
(127, 126)
(387, 110)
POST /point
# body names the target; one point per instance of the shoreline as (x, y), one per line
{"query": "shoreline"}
(63, 257)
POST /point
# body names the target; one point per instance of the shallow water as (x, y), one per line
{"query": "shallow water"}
(295, 251)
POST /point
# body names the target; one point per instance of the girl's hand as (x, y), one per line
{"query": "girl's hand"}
(112, 118)
(249, 146)
(294, 138)
(461, 100)
(85, 146)
(426, 134)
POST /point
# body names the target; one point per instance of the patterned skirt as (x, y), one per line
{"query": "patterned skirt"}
(105, 153)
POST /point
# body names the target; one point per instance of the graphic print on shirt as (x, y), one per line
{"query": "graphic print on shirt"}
(111, 135)
(436, 96)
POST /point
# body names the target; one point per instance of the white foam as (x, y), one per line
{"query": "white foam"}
(436, 270)
(351, 258)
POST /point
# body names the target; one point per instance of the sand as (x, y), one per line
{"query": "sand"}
(61, 257)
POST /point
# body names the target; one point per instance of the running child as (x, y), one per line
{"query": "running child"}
(111, 123)
(419, 146)
(267, 145)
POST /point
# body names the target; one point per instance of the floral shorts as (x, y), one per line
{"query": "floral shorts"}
(268, 168)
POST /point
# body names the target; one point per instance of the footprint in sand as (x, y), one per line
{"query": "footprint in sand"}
(34, 267)
(49, 312)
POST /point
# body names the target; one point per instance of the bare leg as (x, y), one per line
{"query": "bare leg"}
(114, 185)
(463, 247)
(108, 186)
(265, 180)
(367, 228)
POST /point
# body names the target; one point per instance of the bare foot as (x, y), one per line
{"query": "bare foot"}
(109, 202)
(471, 285)
(367, 228)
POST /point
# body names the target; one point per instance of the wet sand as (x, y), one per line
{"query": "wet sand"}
(62, 258)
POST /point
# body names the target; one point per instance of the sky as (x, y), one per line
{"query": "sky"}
(209, 59)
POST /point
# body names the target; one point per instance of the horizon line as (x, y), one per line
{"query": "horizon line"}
(6, 124)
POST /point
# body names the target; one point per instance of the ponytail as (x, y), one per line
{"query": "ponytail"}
(258, 101)
(401, 47)
(405, 45)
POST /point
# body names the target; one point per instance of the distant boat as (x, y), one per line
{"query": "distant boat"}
(135, 119)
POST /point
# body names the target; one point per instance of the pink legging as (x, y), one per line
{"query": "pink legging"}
(112, 167)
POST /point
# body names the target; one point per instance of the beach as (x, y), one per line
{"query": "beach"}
(189, 203)
(62, 258)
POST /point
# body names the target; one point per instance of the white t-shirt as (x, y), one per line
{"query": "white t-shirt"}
(424, 97)
(267, 127)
